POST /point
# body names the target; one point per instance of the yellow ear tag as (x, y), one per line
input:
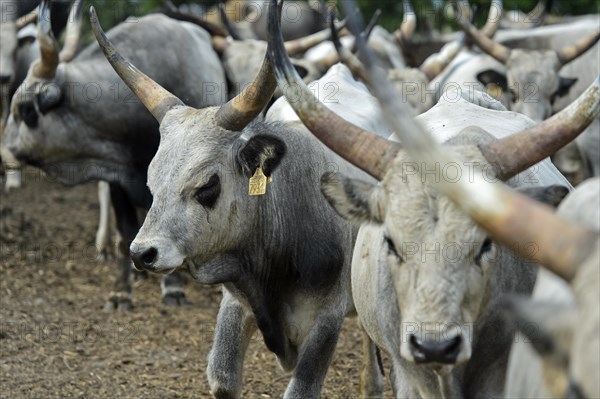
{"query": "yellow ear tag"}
(494, 90)
(258, 183)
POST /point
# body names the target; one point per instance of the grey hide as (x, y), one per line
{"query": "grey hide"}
(283, 257)
(93, 128)
(439, 277)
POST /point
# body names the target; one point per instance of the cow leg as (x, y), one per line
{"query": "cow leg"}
(12, 169)
(127, 225)
(314, 358)
(103, 232)
(371, 375)
(235, 326)
(171, 288)
(399, 384)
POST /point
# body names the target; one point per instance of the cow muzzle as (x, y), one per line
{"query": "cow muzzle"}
(155, 258)
(443, 351)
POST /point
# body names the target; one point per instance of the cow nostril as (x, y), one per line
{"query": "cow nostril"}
(149, 256)
(144, 259)
(439, 351)
(453, 346)
(414, 341)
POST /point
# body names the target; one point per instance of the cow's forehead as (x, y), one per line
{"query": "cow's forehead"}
(539, 60)
(415, 209)
(190, 138)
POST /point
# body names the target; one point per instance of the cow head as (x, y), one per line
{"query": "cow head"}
(440, 260)
(442, 264)
(199, 181)
(200, 171)
(37, 100)
(531, 75)
(8, 52)
(9, 31)
(15, 35)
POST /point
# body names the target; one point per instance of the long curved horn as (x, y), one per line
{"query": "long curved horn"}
(349, 59)
(27, 19)
(436, 63)
(301, 45)
(536, 16)
(494, 17)
(368, 30)
(154, 97)
(511, 218)
(494, 49)
(569, 53)
(409, 24)
(515, 153)
(238, 112)
(229, 26)
(328, 61)
(371, 153)
(45, 67)
(73, 32)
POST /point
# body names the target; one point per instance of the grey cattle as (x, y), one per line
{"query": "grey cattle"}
(283, 255)
(537, 73)
(19, 49)
(537, 369)
(77, 122)
(471, 71)
(571, 345)
(567, 339)
(532, 75)
(443, 275)
(27, 52)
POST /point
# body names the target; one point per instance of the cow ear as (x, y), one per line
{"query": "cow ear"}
(262, 150)
(564, 85)
(548, 327)
(491, 76)
(550, 195)
(354, 200)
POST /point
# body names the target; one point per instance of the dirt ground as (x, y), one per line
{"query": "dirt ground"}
(57, 342)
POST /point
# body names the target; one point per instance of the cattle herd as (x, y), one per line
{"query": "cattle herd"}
(439, 187)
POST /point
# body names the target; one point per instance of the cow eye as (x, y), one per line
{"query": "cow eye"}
(485, 248)
(47, 100)
(28, 114)
(392, 248)
(207, 194)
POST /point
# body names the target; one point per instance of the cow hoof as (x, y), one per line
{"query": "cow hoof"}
(221, 393)
(370, 384)
(176, 298)
(118, 302)
(104, 256)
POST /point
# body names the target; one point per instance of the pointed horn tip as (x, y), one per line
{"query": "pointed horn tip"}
(93, 15)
